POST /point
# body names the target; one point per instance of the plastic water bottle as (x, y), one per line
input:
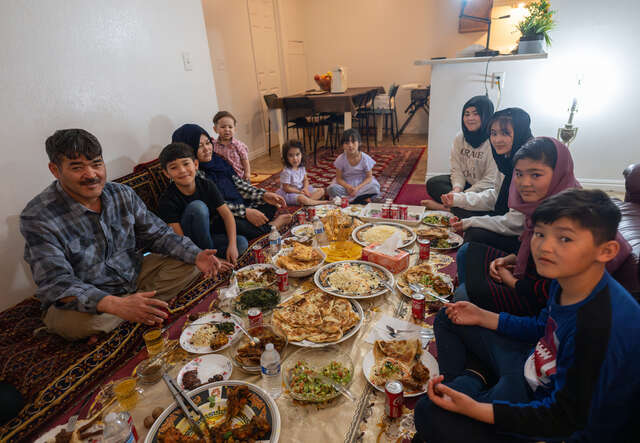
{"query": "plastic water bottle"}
(275, 241)
(117, 429)
(270, 366)
(320, 237)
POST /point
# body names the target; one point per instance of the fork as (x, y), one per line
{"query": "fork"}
(421, 289)
(393, 331)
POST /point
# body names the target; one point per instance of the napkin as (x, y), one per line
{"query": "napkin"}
(390, 245)
(379, 330)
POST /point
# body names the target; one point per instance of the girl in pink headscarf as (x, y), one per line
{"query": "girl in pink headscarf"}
(542, 167)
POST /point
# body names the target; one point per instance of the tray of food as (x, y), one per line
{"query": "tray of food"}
(235, 411)
(438, 219)
(264, 299)
(316, 319)
(300, 260)
(353, 279)
(211, 332)
(402, 360)
(322, 210)
(373, 213)
(303, 373)
(204, 369)
(259, 275)
(425, 275)
(380, 231)
(303, 231)
(246, 355)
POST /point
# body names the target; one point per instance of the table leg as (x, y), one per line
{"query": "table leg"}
(275, 116)
(347, 120)
(379, 127)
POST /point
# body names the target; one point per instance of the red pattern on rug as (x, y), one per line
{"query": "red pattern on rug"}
(412, 194)
(394, 166)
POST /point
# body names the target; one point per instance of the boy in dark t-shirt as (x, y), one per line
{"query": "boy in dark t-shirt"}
(571, 373)
(194, 207)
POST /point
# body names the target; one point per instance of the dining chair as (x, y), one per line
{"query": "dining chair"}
(388, 111)
(307, 119)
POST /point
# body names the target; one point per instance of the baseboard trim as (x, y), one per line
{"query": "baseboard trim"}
(589, 183)
(255, 153)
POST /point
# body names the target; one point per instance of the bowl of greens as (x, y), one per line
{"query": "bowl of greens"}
(305, 373)
(264, 299)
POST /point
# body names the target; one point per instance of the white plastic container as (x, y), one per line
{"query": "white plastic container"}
(275, 241)
(117, 428)
(270, 368)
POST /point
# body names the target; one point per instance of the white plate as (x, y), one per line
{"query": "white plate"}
(265, 401)
(426, 358)
(256, 266)
(303, 272)
(207, 366)
(188, 332)
(353, 210)
(453, 238)
(403, 228)
(408, 292)
(50, 435)
(322, 210)
(328, 267)
(298, 230)
(350, 333)
(373, 213)
(428, 213)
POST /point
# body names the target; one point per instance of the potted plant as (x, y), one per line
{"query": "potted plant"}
(535, 28)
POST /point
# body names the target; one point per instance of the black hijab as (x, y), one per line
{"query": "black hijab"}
(484, 107)
(521, 123)
(218, 170)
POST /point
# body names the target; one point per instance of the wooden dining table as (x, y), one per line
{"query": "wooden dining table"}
(292, 106)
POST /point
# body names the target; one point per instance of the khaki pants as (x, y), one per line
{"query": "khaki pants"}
(159, 273)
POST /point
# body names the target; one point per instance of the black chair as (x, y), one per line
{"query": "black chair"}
(389, 112)
(306, 119)
(364, 112)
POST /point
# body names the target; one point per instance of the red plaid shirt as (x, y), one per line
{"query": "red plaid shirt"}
(235, 152)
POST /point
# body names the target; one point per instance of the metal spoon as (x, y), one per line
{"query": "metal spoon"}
(337, 386)
(254, 340)
(421, 289)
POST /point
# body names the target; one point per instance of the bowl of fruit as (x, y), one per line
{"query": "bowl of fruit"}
(323, 81)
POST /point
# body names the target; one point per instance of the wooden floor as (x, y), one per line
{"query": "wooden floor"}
(268, 165)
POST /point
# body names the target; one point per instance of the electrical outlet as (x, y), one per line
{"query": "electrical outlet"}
(497, 79)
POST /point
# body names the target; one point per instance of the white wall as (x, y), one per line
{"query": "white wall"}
(114, 68)
(598, 45)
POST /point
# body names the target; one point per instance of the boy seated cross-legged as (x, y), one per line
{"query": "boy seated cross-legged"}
(569, 374)
(193, 206)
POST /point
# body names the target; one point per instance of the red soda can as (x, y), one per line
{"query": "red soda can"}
(302, 217)
(425, 248)
(311, 212)
(283, 279)
(395, 398)
(418, 306)
(344, 202)
(255, 317)
(404, 212)
(258, 254)
(395, 212)
(386, 212)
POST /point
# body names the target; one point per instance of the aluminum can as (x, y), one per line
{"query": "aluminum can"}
(395, 212)
(283, 279)
(255, 317)
(386, 212)
(258, 253)
(404, 212)
(425, 248)
(302, 217)
(418, 306)
(344, 202)
(395, 398)
(311, 212)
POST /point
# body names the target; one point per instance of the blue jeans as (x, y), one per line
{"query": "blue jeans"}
(504, 356)
(196, 225)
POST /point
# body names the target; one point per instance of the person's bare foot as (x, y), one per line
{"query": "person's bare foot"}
(433, 205)
(282, 220)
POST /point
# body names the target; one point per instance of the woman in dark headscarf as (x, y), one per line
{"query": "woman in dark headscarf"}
(253, 208)
(509, 129)
(472, 166)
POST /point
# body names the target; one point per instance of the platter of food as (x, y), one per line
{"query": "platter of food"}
(235, 411)
(425, 275)
(246, 355)
(259, 275)
(373, 213)
(439, 219)
(446, 244)
(402, 360)
(380, 231)
(340, 251)
(304, 371)
(212, 332)
(353, 279)
(204, 369)
(305, 230)
(300, 260)
(264, 299)
(353, 210)
(316, 319)
(338, 225)
(322, 210)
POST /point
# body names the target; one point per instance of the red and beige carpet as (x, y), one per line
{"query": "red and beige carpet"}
(394, 165)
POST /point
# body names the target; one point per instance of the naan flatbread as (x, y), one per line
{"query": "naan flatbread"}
(405, 351)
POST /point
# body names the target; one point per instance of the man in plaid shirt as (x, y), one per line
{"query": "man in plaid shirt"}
(84, 242)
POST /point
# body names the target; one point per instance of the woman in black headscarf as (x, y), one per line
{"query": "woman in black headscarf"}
(472, 166)
(253, 208)
(509, 129)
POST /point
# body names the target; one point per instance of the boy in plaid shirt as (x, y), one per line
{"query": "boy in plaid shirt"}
(232, 149)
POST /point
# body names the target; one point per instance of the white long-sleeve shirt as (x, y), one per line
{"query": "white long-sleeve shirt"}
(479, 201)
(473, 165)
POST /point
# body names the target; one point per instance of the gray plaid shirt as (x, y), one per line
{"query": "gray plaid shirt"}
(76, 252)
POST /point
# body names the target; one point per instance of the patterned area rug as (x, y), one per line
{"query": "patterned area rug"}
(393, 168)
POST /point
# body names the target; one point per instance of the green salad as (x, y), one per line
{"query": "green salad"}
(438, 220)
(262, 298)
(304, 381)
